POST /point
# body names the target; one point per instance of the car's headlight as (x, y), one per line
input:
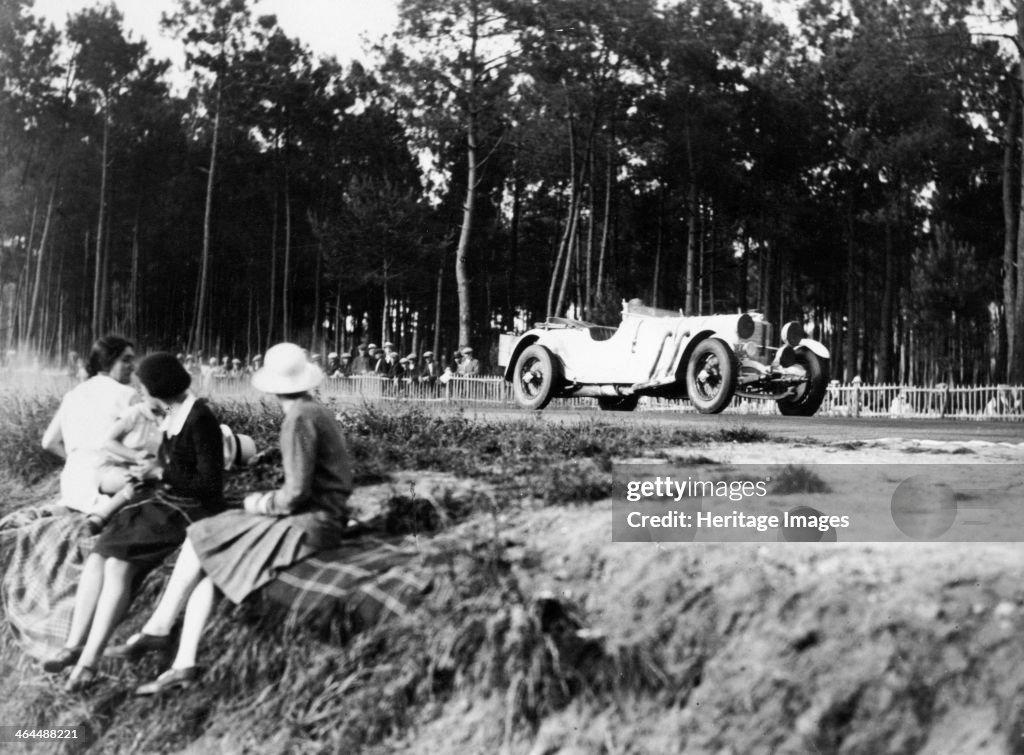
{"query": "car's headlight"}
(745, 326)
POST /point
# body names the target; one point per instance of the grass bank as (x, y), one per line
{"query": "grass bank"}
(272, 686)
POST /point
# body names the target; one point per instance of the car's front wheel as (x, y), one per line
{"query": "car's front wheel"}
(536, 375)
(807, 397)
(711, 376)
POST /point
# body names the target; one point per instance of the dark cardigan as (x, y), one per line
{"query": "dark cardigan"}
(153, 526)
(193, 460)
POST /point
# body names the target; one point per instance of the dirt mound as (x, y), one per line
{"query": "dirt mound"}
(782, 648)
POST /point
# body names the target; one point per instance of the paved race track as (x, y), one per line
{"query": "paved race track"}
(823, 429)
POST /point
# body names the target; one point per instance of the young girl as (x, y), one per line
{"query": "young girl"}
(240, 551)
(183, 485)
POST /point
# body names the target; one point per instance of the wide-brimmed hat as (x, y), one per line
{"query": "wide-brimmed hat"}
(238, 448)
(428, 354)
(467, 350)
(286, 370)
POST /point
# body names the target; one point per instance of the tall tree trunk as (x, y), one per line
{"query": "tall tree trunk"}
(316, 299)
(465, 233)
(198, 328)
(39, 263)
(570, 241)
(743, 273)
(133, 297)
(885, 330)
(656, 283)
(606, 223)
(512, 299)
(272, 312)
(850, 355)
(97, 296)
(437, 310)
(286, 275)
(588, 268)
(690, 302)
(1013, 274)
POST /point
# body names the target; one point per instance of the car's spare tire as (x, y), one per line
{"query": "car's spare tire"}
(711, 375)
(618, 403)
(536, 376)
(807, 397)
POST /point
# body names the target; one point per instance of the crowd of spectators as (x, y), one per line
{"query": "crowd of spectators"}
(366, 359)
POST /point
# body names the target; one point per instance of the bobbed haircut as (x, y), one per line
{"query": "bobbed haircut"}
(105, 351)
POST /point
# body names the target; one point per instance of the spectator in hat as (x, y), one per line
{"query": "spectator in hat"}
(361, 364)
(470, 365)
(380, 362)
(333, 365)
(429, 371)
(182, 485)
(343, 366)
(238, 552)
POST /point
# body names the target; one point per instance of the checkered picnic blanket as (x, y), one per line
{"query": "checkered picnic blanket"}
(362, 582)
(42, 556)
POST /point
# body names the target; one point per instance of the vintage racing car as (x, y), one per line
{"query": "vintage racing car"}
(657, 352)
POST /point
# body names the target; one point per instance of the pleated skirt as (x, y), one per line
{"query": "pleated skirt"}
(147, 531)
(242, 552)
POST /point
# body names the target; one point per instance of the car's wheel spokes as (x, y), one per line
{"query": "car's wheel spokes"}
(532, 377)
(709, 377)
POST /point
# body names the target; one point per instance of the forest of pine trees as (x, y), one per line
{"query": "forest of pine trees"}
(491, 162)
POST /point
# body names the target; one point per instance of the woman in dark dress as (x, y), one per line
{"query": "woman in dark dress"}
(238, 552)
(182, 485)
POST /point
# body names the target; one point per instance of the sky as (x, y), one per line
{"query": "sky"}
(328, 27)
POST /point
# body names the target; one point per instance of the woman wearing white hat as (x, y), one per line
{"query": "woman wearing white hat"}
(241, 551)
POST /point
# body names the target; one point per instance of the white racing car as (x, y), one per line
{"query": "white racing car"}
(657, 352)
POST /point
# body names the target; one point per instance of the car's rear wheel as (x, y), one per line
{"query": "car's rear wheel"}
(618, 403)
(711, 376)
(536, 375)
(807, 397)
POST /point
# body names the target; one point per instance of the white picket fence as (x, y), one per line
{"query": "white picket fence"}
(852, 400)
(1002, 403)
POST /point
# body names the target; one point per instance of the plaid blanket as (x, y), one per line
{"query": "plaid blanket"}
(42, 555)
(362, 582)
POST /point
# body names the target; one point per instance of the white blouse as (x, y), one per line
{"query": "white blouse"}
(83, 422)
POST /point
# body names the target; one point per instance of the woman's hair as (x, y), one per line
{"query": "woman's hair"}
(105, 352)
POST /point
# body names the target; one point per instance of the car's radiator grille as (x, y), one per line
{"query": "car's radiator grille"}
(762, 339)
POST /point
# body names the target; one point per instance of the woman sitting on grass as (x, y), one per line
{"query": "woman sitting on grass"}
(183, 485)
(44, 547)
(241, 551)
(78, 432)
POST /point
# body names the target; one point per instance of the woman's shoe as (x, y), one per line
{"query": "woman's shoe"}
(175, 678)
(82, 677)
(138, 645)
(66, 657)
